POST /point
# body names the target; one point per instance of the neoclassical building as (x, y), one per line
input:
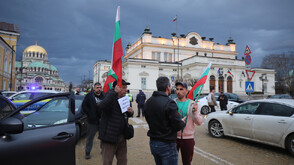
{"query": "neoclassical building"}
(34, 71)
(183, 58)
(9, 35)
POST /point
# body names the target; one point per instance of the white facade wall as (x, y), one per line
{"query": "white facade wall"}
(139, 64)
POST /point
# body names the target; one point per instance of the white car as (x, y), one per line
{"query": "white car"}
(266, 121)
(204, 108)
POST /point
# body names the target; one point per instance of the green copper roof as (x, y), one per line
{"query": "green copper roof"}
(37, 64)
(52, 67)
(17, 64)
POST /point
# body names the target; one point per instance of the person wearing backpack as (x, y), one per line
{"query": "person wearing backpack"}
(211, 100)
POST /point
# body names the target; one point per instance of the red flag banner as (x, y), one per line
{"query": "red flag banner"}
(116, 71)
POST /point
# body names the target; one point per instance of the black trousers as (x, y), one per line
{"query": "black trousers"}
(212, 108)
(223, 107)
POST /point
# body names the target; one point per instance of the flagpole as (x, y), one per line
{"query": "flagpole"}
(178, 48)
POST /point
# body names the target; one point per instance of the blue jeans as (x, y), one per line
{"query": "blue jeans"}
(164, 153)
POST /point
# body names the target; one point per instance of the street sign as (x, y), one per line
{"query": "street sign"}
(248, 59)
(247, 51)
(250, 74)
(248, 67)
(249, 86)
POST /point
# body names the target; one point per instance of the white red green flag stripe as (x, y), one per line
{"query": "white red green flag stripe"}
(229, 71)
(197, 88)
(116, 71)
(175, 19)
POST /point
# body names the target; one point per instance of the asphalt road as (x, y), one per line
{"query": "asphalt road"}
(207, 150)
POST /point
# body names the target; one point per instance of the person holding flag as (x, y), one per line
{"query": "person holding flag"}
(113, 122)
(188, 110)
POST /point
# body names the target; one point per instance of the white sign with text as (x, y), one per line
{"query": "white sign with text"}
(124, 103)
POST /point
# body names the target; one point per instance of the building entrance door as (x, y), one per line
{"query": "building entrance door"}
(211, 82)
(220, 84)
(229, 85)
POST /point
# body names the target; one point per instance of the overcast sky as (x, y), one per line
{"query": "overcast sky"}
(77, 33)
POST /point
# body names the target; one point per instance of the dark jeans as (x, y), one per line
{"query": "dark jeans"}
(187, 149)
(91, 132)
(164, 153)
(212, 108)
(140, 107)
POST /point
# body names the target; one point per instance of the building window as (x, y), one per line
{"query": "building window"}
(143, 66)
(161, 69)
(265, 87)
(174, 70)
(168, 57)
(156, 56)
(143, 83)
(106, 67)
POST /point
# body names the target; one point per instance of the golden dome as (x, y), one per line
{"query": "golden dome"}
(35, 48)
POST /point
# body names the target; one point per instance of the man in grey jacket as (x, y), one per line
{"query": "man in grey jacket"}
(211, 100)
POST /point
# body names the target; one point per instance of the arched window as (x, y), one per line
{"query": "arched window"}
(38, 79)
(211, 82)
(220, 83)
(229, 84)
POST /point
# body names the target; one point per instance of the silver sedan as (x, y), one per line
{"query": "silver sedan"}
(265, 121)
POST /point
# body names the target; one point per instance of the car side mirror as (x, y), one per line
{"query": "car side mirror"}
(11, 125)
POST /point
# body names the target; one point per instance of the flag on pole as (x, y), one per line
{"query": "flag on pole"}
(116, 67)
(230, 72)
(243, 73)
(175, 19)
(197, 88)
(219, 72)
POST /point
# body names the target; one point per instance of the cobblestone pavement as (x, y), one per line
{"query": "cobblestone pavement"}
(207, 150)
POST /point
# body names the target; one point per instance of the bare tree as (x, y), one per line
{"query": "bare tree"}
(283, 65)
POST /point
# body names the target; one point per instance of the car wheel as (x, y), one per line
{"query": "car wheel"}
(290, 144)
(205, 110)
(216, 129)
(78, 133)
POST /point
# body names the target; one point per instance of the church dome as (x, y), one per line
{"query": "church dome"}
(52, 67)
(35, 48)
(37, 64)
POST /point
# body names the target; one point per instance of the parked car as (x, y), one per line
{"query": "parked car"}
(280, 96)
(204, 108)
(265, 121)
(23, 97)
(6, 106)
(7, 93)
(51, 130)
(231, 97)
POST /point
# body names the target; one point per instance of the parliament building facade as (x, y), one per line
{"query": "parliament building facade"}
(183, 58)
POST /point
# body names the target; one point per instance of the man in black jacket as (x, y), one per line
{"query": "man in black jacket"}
(93, 113)
(164, 122)
(223, 101)
(112, 125)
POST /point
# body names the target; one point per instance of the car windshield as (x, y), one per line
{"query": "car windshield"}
(53, 112)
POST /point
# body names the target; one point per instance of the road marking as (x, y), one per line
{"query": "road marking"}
(136, 120)
(211, 157)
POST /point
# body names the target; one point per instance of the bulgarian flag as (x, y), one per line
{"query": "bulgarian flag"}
(116, 67)
(175, 19)
(229, 71)
(197, 88)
